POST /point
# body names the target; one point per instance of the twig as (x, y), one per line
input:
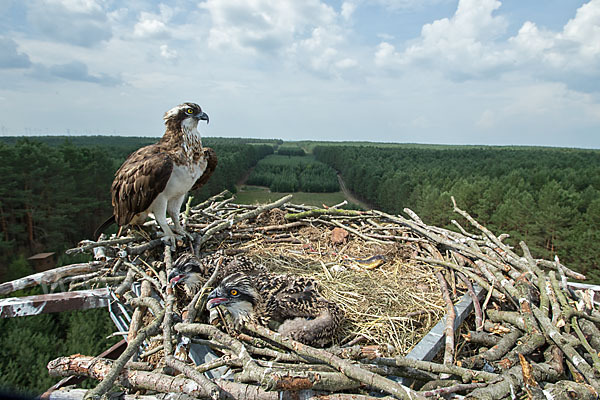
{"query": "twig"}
(88, 244)
(350, 370)
(317, 212)
(211, 389)
(210, 200)
(450, 316)
(200, 240)
(119, 364)
(452, 389)
(476, 305)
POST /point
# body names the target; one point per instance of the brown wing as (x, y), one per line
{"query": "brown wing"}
(140, 179)
(211, 164)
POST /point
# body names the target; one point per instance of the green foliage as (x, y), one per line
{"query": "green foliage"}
(290, 151)
(294, 173)
(18, 268)
(548, 197)
(27, 344)
(53, 195)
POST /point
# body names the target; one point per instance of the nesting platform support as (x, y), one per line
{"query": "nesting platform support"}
(432, 343)
(54, 302)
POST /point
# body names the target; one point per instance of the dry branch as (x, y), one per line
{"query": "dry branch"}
(388, 309)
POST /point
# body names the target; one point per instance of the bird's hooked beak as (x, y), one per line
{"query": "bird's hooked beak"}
(175, 279)
(202, 116)
(215, 298)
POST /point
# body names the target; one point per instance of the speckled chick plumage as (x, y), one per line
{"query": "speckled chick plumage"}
(290, 304)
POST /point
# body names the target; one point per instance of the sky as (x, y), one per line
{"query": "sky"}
(511, 72)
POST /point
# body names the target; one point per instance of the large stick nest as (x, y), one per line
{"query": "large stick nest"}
(394, 278)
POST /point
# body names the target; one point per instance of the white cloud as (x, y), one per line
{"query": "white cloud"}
(406, 4)
(386, 55)
(470, 45)
(575, 48)
(461, 42)
(78, 6)
(149, 26)
(348, 9)
(167, 53)
(264, 25)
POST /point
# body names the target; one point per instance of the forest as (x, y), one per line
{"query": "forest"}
(548, 197)
(54, 191)
(294, 173)
(53, 195)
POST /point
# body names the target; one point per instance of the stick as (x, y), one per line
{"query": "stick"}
(317, 212)
(49, 276)
(105, 385)
(348, 369)
(450, 316)
(200, 240)
(88, 244)
(210, 387)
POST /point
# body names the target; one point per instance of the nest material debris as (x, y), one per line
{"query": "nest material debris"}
(531, 334)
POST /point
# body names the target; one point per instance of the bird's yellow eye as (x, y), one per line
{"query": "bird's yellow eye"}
(189, 111)
(233, 292)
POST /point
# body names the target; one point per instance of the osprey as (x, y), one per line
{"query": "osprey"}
(290, 304)
(156, 178)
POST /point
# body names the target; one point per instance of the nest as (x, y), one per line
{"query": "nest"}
(394, 304)
(393, 277)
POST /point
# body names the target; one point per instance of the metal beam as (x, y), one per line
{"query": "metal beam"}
(55, 302)
(431, 344)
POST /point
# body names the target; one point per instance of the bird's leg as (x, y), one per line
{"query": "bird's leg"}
(161, 218)
(173, 208)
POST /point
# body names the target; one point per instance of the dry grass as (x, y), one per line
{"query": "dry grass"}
(395, 304)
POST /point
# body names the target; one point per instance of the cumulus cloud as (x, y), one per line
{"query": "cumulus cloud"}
(576, 47)
(471, 45)
(307, 34)
(79, 22)
(167, 52)
(10, 56)
(149, 26)
(264, 25)
(407, 4)
(348, 9)
(461, 42)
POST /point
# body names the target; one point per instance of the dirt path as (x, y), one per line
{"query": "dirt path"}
(244, 178)
(350, 196)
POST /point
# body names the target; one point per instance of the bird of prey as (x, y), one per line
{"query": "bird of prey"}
(156, 178)
(191, 273)
(289, 304)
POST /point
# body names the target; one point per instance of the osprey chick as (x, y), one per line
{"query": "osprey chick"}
(156, 178)
(290, 304)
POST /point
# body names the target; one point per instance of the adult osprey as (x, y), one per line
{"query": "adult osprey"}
(156, 178)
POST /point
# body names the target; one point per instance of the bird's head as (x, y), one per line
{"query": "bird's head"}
(187, 271)
(185, 117)
(237, 294)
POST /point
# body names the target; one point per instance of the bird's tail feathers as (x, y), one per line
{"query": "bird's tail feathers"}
(104, 225)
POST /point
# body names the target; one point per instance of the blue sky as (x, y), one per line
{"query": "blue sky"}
(517, 72)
